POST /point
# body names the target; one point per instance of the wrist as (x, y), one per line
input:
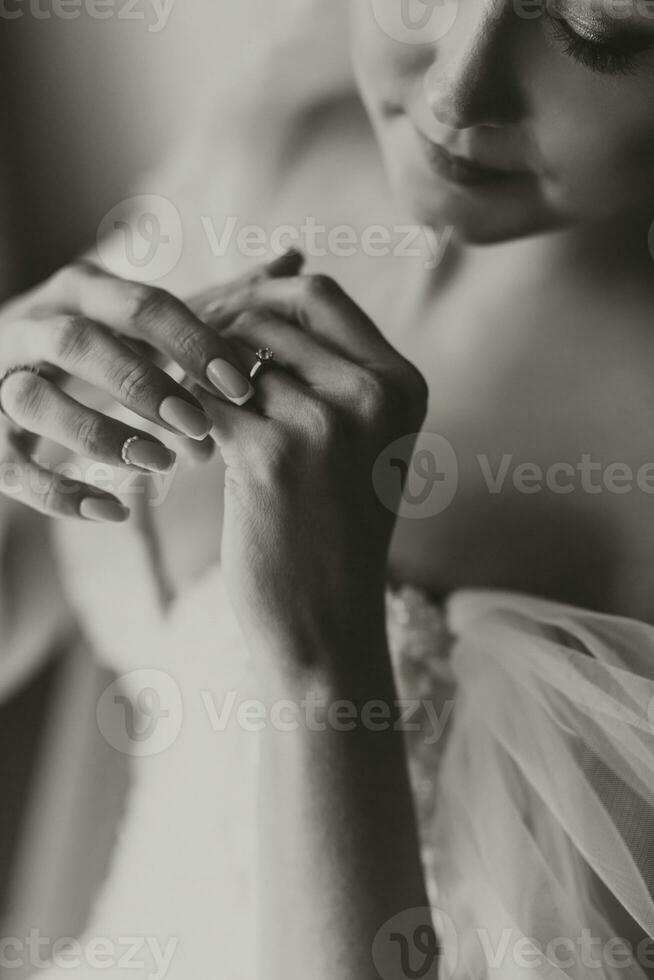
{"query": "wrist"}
(335, 649)
(337, 697)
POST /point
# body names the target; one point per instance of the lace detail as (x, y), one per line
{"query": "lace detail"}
(420, 643)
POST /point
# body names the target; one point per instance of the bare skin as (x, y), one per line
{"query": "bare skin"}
(505, 337)
(539, 350)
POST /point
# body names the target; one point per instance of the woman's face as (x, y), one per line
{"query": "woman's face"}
(511, 117)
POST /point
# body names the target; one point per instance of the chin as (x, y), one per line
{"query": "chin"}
(483, 223)
(481, 216)
(495, 230)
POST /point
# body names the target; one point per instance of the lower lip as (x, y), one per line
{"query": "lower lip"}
(460, 172)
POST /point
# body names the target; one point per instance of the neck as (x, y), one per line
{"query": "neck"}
(606, 253)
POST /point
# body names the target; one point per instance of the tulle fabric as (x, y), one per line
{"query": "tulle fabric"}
(544, 840)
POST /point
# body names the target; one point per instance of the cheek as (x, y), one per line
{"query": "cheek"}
(384, 65)
(597, 153)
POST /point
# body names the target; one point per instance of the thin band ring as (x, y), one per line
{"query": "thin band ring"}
(124, 450)
(264, 356)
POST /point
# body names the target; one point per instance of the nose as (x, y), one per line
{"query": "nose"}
(471, 78)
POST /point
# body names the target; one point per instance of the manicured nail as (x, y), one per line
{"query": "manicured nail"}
(229, 382)
(290, 261)
(148, 455)
(184, 417)
(103, 509)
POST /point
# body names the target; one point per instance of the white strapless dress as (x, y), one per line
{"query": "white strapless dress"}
(534, 801)
(183, 872)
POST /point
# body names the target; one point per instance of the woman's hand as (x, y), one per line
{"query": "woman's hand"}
(305, 544)
(305, 539)
(107, 332)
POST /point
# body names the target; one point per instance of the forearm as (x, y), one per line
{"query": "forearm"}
(34, 617)
(339, 852)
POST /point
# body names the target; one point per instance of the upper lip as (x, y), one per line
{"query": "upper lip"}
(471, 164)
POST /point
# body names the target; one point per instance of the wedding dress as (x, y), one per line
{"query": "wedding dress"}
(530, 750)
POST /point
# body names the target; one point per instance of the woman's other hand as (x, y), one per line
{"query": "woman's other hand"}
(109, 333)
(305, 538)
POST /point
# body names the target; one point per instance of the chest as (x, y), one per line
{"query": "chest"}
(543, 395)
(540, 436)
(543, 407)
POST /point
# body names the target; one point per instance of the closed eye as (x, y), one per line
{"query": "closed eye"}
(602, 55)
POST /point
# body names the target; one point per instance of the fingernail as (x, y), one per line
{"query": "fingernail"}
(149, 455)
(293, 259)
(230, 382)
(102, 509)
(184, 417)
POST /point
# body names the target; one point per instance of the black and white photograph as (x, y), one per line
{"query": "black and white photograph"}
(327, 489)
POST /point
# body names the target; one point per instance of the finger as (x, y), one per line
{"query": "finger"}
(52, 493)
(191, 451)
(231, 428)
(209, 303)
(40, 407)
(280, 400)
(339, 382)
(295, 350)
(319, 305)
(89, 352)
(153, 315)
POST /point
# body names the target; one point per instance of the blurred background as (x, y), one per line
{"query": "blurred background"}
(102, 99)
(88, 105)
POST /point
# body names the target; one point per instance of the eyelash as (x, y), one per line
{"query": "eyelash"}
(601, 58)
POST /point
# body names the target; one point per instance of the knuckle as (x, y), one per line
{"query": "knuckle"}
(69, 274)
(71, 340)
(190, 347)
(89, 435)
(68, 278)
(321, 422)
(133, 382)
(250, 321)
(144, 303)
(373, 394)
(23, 395)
